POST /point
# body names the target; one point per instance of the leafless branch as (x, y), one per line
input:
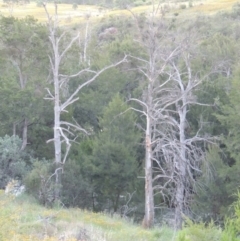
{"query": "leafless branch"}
(76, 126)
(66, 103)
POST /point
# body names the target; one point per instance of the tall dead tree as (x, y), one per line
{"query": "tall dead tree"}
(152, 67)
(172, 157)
(64, 131)
(179, 153)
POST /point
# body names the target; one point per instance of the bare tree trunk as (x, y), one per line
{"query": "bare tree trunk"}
(24, 134)
(179, 205)
(22, 82)
(182, 163)
(149, 200)
(85, 44)
(63, 130)
(116, 202)
(57, 143)
(14, 128)
(171, 86)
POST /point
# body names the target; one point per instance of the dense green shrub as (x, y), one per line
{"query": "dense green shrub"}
(76, 189)
(75, 6)
(40, 182)
(218, 185)
(14, 163)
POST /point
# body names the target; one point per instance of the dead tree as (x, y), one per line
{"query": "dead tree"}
(64, 131)
(171, 157)
(152, 39)
(179, 155)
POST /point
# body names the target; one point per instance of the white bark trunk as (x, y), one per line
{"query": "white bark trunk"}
(85, 44)
(57, 113)
(182, 161)
(179, 205)
(24, 134)
(57, 119)
(149, 200)
(149, 197)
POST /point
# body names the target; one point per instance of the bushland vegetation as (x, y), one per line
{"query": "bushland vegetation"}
(145, 108)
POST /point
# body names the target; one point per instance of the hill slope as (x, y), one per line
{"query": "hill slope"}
(23, 219)
(69, 15)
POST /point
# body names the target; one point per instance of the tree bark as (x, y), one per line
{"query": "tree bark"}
(57, 121)
(149, 201)
(24, 134)
(149, 198)
(182, 161)
(179, 205)
(22, 82)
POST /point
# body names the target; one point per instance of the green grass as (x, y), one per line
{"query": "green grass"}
(23, 219)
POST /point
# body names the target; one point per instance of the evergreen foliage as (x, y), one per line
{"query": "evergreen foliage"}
(77, 188)
(114, 153)
(22, 86)
(14, 163)
(40, 182)
(218, 184)
(108, 162)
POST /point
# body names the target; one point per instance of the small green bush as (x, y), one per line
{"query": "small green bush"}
(76, 191)
(14, 162)
(39, 182)
(199, 232)
(183, 6)
(39, 3)
(232, 225)
(75, 6)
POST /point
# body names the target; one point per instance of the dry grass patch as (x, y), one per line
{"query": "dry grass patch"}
(213, 6)
(65, 11)
(22, 219)
(66, 14)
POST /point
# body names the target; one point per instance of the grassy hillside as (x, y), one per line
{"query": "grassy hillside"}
(22, 219)
(69, 15)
